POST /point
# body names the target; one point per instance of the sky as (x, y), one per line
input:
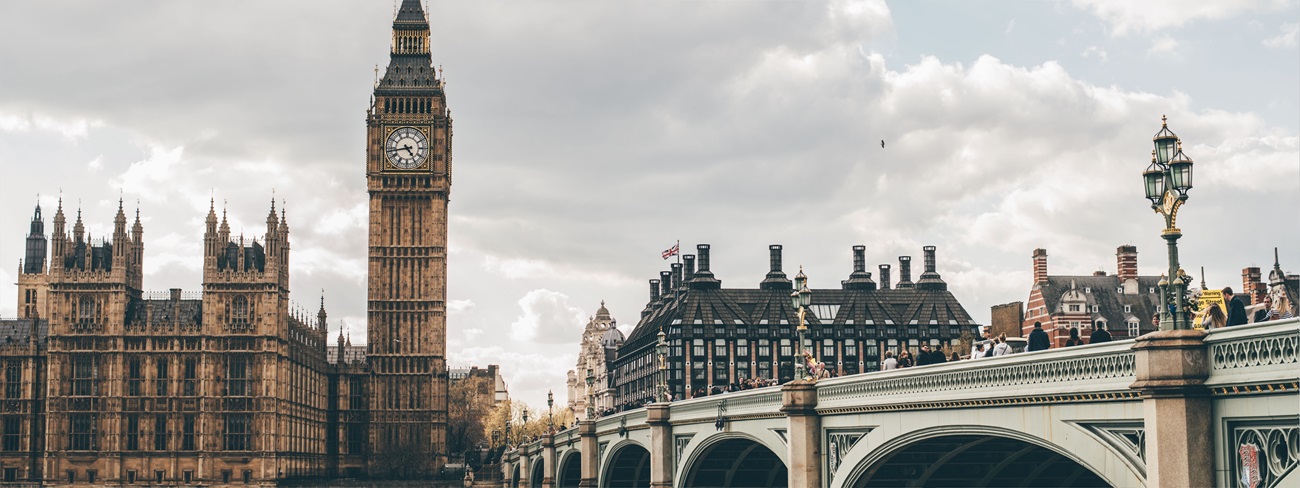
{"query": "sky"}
(590, 136)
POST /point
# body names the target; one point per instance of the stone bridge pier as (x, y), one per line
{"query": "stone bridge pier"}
(1168, 409)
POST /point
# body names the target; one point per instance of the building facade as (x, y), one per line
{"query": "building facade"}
(1123, 303)
(105, 383)
(722, 336)
(600, 342)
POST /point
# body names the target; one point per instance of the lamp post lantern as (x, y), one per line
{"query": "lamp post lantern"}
(662, 348)
(525, 427)
(1166, 182)
(800, 299)
(550, 417)
(509, 420)
(591, 383)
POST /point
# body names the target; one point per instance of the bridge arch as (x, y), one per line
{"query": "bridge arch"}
(514, 475)
(538, 470)
(628, 466)
(733, 459)
(970, 456)
(569, 470)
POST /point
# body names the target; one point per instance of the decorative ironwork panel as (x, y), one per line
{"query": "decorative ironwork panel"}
(1264, 450)
(838, 443)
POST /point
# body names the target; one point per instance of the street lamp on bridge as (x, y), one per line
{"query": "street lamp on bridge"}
(550, 417)
(662, 348)
(591, 384)
(800, 299)
(1167, 181)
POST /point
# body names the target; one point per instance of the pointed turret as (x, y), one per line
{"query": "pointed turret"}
(35, 262)
(59, 248)
(321, 315)
(78, 229)
(119, 232)
(409, 62)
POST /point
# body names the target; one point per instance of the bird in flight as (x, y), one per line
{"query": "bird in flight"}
(882, 143)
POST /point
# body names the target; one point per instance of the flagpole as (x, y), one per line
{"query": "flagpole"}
(679, 251)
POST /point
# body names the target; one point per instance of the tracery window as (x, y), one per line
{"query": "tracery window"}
(84, 375)
(239, 316)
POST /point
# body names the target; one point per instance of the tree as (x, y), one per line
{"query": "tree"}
(469, 403)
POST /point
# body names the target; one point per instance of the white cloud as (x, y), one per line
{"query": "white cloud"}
(1126, 17)
(1094, 52)
(546, 316)
(96, 165)
(69, 128)
(1163, 45)
(155, 177)
(459, 306)
(1010, 26)
(1289, 37)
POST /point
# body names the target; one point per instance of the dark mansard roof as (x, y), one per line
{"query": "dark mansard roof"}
(1103, 292)
(19, 331)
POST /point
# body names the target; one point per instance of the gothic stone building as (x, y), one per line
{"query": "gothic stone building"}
(107, 384)
(718, 336)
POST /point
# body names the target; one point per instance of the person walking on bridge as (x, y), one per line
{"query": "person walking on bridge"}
(1038, 339)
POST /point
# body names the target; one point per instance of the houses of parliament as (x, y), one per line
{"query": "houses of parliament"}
(104, 383)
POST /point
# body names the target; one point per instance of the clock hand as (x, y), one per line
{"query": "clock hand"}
(408, 150)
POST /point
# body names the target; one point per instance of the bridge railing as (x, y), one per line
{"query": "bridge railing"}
(738, 404)
(1093, 369)
(1254, 354)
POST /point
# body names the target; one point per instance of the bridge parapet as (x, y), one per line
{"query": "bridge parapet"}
(740, 404)
(1254, 355)
(1102, 369)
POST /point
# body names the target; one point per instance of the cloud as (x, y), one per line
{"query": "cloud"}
(1163, 45)
(1125, 17)
(1289, 37)
(1010, 25)
(69, 128)
(546, 317)
(1094, 52)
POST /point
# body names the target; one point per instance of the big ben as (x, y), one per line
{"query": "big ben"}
(408, 177)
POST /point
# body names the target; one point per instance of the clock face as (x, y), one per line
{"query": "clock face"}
(407, 148)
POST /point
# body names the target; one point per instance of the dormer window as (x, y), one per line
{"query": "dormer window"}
(1128, 309)
(1074, 308)
(1087, 289)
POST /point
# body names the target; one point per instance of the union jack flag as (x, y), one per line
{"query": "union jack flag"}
(672, 251)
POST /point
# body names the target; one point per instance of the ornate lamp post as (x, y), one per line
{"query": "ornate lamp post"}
(550, 417)
(800, 299)
(591, 383)
(525, 427)
(662, 348)
(509, 420)
(1167, 181)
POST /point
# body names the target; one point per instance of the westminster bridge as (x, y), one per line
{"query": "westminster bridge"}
(1171, 408)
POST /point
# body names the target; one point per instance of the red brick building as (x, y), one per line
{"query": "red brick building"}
(1123, 302)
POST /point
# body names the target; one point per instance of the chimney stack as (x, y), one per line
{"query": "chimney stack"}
(703, 276)
(776, 279)
(884, 277)
(859, 279)
(666, 285)
(652, 304)
(930, 279)
(1252, 284)
(677, 275)
(1040, 266)
(689, 261)
(905, 272)
(1127, 258)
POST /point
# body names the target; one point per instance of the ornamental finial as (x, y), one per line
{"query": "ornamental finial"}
(1164, 121)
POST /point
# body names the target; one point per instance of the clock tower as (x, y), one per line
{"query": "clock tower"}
(408, 177)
